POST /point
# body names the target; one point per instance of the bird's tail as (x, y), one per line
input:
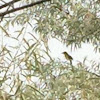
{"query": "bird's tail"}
(72, 65)
(70, 62)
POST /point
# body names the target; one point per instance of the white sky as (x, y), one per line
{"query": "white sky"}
(87, 50)
(56, 48)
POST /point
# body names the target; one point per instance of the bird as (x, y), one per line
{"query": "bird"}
(67, 56)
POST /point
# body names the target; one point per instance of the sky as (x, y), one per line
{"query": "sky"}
(56, 48)
(87, 50)
(78, 55)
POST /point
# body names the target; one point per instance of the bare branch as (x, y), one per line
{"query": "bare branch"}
(23, 7)
(9, 3)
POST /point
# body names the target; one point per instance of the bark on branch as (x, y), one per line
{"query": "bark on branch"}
(9, 3)
(23, 7)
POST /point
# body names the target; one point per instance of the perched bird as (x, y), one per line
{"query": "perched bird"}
(68, 57)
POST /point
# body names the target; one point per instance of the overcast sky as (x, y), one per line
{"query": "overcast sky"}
(56, 47)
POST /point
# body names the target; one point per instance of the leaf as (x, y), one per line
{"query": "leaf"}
(5, 31)
(20, 32)
(26, 42)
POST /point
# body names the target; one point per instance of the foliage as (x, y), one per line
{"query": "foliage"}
(27, 70)
(74, 22)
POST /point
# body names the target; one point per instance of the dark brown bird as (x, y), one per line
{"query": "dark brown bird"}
(68, 57)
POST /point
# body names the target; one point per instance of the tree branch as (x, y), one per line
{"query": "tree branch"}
(23, 7)
(9, 3)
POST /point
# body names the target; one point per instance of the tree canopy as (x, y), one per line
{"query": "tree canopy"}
(27, 70)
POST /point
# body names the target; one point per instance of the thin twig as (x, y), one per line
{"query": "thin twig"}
(23, 7)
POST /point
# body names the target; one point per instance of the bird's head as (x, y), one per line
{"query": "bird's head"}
(64, 52)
